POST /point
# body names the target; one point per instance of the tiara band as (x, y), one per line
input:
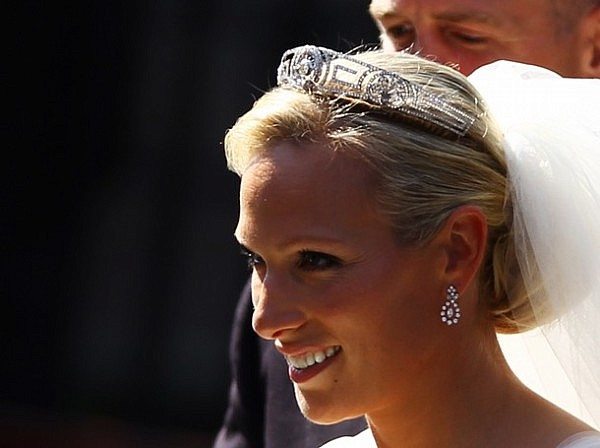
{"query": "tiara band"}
(323, 72)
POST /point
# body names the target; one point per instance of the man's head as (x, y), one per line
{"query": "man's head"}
(563, 35)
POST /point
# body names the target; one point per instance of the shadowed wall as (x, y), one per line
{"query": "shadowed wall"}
(121, 272)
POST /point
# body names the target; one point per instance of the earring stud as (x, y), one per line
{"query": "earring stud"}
(450, 310)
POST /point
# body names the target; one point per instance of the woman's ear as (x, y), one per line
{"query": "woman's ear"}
(463, 239)
(589, 35)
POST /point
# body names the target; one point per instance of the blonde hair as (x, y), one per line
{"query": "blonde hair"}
(423, 172)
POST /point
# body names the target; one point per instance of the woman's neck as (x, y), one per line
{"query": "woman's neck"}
(476, 400)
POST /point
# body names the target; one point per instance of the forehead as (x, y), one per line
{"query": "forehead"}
(305, 187)
(492, 11)
(293, 169)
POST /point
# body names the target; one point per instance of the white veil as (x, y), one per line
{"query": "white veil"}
(551, 129)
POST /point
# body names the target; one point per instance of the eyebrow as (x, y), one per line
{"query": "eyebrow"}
(466, 16)
(300, 242)
(379, 12)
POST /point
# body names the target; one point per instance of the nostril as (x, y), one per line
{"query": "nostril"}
(271, 322)
(263, 323)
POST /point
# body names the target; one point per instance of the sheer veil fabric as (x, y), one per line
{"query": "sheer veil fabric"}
(551, 129)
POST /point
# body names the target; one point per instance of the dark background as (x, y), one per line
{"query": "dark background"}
(120, 272)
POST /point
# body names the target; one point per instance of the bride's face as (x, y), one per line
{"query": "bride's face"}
(356, 315)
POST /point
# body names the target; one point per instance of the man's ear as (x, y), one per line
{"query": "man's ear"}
(463, 239)
(589, 37)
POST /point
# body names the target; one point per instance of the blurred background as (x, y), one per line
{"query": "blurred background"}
(120, 272)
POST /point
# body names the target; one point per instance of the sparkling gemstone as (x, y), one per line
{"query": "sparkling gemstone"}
(387, 89)
(450, 312)
(305, 66)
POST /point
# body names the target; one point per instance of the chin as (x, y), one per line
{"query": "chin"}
(322, 410)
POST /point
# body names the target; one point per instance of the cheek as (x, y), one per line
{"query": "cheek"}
(469, 63)
(364, 302)
(401, 343)
(392, 311)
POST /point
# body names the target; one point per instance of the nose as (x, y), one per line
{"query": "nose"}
(277, 308)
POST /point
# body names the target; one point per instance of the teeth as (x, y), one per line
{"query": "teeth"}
(310, 358)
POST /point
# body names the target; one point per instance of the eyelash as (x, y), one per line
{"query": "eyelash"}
(406, 32)
(252, 260)
(317, 261)
(468, 39)
(401, 35)
(400, 30)
(308, 260)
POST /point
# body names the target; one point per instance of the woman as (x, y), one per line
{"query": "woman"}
(376, 215)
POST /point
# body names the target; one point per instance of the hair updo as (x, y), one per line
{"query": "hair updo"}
(422, 172)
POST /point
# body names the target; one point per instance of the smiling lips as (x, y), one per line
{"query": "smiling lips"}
(310, 358)
(309, 364)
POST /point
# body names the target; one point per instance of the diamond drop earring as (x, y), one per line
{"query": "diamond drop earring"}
(450, 310)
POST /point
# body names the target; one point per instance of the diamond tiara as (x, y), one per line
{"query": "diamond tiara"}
(324, 72)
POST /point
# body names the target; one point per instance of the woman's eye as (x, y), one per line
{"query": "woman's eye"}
(252, 260)
(317, 261)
